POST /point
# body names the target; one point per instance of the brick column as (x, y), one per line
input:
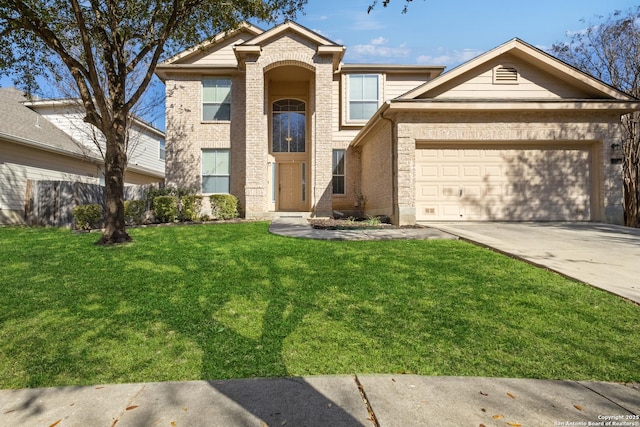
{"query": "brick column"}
(322, 138)
(405, 152)
(256, 141)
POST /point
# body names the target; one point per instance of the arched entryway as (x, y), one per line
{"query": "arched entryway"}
(289, 137)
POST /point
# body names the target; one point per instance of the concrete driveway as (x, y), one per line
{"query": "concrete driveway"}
(603, 255)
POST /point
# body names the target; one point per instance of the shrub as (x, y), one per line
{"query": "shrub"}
(190, 208)
(87, 217)
(165, 208)
(134, 211)
(224, 206)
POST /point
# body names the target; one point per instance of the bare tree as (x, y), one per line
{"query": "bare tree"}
(102, 43)
(610, 51)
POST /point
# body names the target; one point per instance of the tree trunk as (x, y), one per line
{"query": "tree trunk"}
(114, 167)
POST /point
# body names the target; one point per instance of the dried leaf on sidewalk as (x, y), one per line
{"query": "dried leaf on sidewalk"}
(511, 395)
(484, 394)
(578, 407)
(498, 417)
(56, 423)
(128, 408)
(514, 424)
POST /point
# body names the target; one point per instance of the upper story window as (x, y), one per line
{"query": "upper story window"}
(364, 96)
(288, 127)
(216, 99)
(162, 150)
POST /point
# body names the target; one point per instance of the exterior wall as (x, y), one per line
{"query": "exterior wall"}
(532, 83)
(602, 129)
(187, 134)
(144, 144)
(398, 84)
(376, 177)
(20, 163)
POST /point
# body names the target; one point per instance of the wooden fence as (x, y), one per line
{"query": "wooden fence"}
(52, 202)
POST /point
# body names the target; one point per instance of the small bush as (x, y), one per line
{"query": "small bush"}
(134, 211)
(224, 206)
(165, 208)
(88, 217)
(190, 208)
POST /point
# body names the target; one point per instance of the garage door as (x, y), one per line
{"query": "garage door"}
(503, 183)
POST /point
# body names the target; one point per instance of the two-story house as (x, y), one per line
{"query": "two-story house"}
(276, 118)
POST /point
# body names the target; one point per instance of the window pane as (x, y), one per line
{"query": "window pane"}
(216, 99)
(296, 132)
(338, 172)
(370, 88)
(215, 162)
(222, 162)
(363, 96)
(338, 185)
(215, 184)
(338, 162)
(212, 112)
(280, 126)
(355, 87)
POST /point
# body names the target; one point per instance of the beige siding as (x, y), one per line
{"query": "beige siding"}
(223, 53)
(398, 84)
(19, 164)
(532, 83)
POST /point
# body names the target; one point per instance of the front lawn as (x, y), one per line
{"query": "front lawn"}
(232, 301)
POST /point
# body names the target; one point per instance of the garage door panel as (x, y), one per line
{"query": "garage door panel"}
(503, 184)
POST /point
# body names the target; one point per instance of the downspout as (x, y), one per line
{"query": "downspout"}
(395, 215)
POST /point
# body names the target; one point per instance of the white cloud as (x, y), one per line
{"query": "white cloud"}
(376, 49)
(450, 58)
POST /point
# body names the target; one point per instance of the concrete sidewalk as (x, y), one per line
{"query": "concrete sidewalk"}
(362, 400)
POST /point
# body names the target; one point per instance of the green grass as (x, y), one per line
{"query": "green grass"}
(232, 301)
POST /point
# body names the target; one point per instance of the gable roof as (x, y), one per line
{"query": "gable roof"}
(527, 53)
(286, 26)
(208, 44)
(24, 126)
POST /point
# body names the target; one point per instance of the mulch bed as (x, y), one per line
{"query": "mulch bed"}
(350, 224)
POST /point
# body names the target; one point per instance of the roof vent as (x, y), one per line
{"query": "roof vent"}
(504, 74)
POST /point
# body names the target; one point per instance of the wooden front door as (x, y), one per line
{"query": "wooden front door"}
(291, 187)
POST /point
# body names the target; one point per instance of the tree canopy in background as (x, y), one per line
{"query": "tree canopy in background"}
(610, 50)
(110, 48)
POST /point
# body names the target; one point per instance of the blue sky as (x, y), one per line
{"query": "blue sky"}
(447, 33)
(435, 32)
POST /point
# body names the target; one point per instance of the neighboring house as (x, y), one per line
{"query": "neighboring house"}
(44, 140)
(275, 118)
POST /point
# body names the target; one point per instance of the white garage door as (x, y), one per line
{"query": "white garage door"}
(513, 183)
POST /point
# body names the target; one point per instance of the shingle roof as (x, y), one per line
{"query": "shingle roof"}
(21, 124)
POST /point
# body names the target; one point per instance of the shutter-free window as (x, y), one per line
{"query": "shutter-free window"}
(363, 96)
(216, 99)
(338, 172)
(215, 171)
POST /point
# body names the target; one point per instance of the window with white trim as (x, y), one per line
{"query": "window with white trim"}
(216, 171)
(364, 96)
(163, 153)
(338, 172)
(216, 99)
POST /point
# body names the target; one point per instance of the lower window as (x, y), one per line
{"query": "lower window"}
(215, 171)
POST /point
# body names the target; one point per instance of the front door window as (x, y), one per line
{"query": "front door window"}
(289, 124)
